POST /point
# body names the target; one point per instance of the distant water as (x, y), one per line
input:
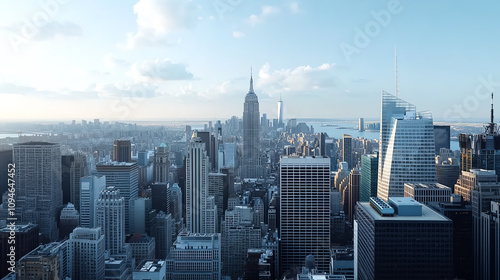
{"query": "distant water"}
(336, 130)
(7, 135)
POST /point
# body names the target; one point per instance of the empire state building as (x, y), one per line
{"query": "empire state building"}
(251, 167)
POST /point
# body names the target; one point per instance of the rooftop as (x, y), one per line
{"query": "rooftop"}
(19, 227)
(434, 186)
(427, 215)
(150, 265)
(116, 163)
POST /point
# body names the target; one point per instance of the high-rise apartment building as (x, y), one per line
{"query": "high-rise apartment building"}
(38, 185)
(406, 147)
(250, 166)
(304, 211)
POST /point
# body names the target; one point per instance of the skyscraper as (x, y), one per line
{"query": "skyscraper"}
(69, 220)
(78, 170)
(38, 185)
(86, 254)
(481, 151)
(124, 176)
(161, 164)
(420, 249)
(347, 150)
(280, 113)
(250, 167)
(369, 172)
(197, 199)
(122, 151)
(354, 182)
(110, 218)
(195, 256)
(90, 188)
(305, 211)
(406, 147)
(441, 137)
(361, 125)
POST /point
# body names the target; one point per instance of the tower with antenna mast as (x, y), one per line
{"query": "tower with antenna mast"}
(396, 90)
(491, 128)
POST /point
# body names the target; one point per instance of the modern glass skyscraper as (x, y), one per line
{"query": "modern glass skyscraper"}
(197, 199)
(369, 172)
(406, 147)
(305, 211)
(38, 185)
(250, 167)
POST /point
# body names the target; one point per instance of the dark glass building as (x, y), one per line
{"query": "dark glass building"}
(402, 240)
(369, 173)
(441, 137)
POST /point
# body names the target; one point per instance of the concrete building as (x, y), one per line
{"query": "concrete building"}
(27, 239)
(86, 254)
(45, 262)
(90, 188)
(198, 205)
(195, 256)
(150, 270)
(68, 220)
(111, 219)
(250, 165)
(38, 186)
(304, 211)
(425, 193)
(161, 164)
(422, 247)
(142, 245)
(124, 176)
(460, 212)
(122, 151)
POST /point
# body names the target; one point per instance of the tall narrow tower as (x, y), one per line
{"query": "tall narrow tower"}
(251, 147)
(198, 204)
(280, 113)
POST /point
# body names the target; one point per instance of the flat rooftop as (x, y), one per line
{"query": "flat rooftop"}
(115, 163)
(433, 186)
(19, 227)
(427, 215)
(150, 266)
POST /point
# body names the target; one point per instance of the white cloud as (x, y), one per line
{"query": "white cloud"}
(113, 62)
(160, 70)
(294, 8)
(238, 34)
(25, 31)
(136, 91)
(157, 18)
(266, 11)
(302, 78)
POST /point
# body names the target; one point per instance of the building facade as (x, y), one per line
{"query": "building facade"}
(304, 211)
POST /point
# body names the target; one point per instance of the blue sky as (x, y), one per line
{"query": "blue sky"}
(170, 59)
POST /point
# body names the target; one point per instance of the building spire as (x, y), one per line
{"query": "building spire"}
(251, 81)
(396, 70)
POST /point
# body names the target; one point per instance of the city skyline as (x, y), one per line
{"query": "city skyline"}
(63, 60)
